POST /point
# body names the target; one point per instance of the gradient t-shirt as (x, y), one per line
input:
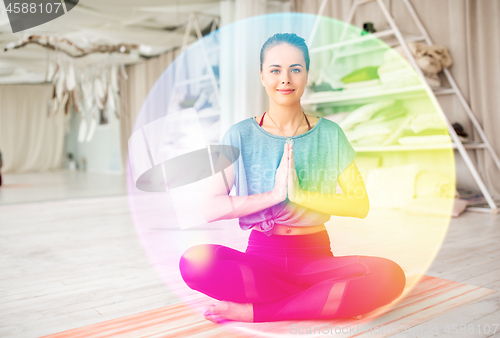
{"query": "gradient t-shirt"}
(321, 155)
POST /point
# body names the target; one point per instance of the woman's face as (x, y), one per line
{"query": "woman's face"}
(284, 74)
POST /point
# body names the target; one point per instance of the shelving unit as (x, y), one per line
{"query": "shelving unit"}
(362, 96)
(356, 96)
(472, 145)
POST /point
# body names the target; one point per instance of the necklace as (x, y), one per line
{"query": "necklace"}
(289, 140)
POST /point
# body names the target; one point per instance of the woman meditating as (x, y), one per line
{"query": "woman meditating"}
(285, 176)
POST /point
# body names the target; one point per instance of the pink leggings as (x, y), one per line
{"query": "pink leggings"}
(293, 277)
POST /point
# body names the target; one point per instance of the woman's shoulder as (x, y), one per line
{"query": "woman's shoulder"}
(238, 129)
(329, 125)
(242, 126)
(330, 130)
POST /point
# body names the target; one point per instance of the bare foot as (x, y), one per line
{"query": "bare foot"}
(224, 311)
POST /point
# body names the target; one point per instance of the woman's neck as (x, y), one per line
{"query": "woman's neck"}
(286, 117)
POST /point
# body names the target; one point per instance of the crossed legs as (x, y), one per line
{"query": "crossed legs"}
(301, 288)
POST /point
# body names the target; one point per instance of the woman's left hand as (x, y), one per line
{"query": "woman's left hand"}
(294, 190)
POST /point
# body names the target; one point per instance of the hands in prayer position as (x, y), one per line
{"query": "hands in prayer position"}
(352, 202)
(287, 182)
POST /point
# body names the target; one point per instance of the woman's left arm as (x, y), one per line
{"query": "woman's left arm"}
(353, 202)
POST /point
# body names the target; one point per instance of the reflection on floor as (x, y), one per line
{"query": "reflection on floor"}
(59, 185)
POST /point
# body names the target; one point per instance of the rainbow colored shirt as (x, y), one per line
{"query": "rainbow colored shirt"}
(321, 155)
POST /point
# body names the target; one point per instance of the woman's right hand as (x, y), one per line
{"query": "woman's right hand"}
(281, 180)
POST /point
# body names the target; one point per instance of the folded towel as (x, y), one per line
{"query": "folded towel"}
(396, 71)
(366, 130)
(389, 113)
(425, 121)
(392, 139)
(393, 65)
(401, 77)
(364, 113)
(361, 74)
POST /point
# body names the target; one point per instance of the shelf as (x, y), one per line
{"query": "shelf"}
(439, 146)
(363, 38)
(358, 51)
(362, 94)
(443, 91)
(389, 44)
(408, 38)
(473, 145)
(485, 209)
(392, 37)
(397, 147)
(479, 204)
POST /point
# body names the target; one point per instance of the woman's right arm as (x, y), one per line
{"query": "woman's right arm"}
(218, 204)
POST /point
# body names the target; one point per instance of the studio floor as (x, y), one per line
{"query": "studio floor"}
(70, 256)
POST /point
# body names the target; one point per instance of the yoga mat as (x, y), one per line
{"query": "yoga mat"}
(430, 297)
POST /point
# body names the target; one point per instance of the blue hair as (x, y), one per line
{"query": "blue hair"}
(289, 38)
